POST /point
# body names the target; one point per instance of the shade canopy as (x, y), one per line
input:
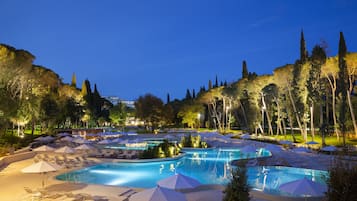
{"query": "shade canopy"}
(304, 187)
(311, 142)
(40, 167)
(84, 147)
(44, 148)
(179, 181)
(66, 150)
(67, 139)
(301, 150)
(329, 148)
(158, 194)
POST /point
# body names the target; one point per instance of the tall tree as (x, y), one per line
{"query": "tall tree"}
(188, 95)
(216, 83)
(342, 84)
(74, 80)
(193, 93)
(245, 71)
(303, 51)
(149, 108)
(351, 60)
(168, 98)
(314, 83)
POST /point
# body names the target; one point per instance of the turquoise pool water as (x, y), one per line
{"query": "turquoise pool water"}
(209, 166)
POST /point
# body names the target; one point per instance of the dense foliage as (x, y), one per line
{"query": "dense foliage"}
(193, 142)
(34, 97)
(237, 189)
(314, 92)
(163, 150)
(341, 183)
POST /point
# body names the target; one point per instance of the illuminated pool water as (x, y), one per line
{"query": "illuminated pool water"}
(209, 166)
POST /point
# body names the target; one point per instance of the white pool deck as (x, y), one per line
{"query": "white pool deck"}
(13, 181)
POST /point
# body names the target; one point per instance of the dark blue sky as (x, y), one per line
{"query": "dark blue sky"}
(132, 47)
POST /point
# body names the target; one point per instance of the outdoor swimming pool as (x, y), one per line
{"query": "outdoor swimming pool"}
(209, 166)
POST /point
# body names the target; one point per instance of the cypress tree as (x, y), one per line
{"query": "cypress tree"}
(245, 72)
(168, 98)
(74, 80)
(193, 93)
(188, 95)
(216, 83)
(303, 51)
(209, 84)
(342, 84)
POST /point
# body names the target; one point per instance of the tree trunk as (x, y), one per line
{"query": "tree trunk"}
(322, 126)
(312, 121)
(269, 123)
(333, 90)
(352, 114)
(244, 114)
(303, 131)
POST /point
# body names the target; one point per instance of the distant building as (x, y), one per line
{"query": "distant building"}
(115, 100)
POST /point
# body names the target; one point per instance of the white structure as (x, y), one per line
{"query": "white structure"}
(115, 100)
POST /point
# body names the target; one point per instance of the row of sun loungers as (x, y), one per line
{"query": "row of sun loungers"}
(119, 154)
(65, 161)
(65, 196)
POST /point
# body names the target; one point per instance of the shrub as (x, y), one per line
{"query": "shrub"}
(238, 188)
(342, 183)
(193, 141)
(163, 150)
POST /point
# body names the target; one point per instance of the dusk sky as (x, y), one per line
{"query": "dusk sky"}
(129, 48)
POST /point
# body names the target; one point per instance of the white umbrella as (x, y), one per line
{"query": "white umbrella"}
(311, 142)
(179, 181)
(81, 141)
(301, 149)
(67, 139)
(304, 187)
(84, 147)
(44, 148)
(41, 167)
(158, 194)
(66, 150)
(329, 148)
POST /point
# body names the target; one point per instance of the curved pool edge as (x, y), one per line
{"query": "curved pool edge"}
(115, 160)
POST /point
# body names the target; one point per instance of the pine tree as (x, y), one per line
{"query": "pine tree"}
(245, 72)
(342, 84)
(74, 81)
(303, 51)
